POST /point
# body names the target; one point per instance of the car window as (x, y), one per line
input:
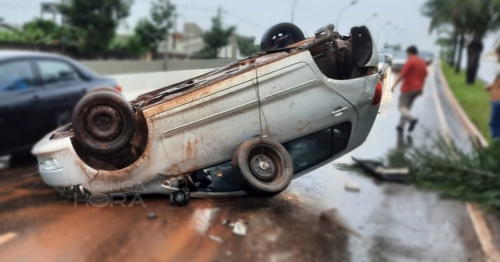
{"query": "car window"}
(313, 149)
(15, 76)
(57, 72)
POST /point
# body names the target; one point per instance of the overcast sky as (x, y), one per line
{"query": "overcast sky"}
(252, 18)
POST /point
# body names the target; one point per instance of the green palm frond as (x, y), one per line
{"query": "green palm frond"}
(469, 173)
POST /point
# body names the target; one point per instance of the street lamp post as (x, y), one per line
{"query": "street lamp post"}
(369, 18)
(342, 10)
(293, 8)
(382, 28)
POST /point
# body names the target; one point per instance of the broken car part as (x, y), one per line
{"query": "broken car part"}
(240, 229)
(379, 171)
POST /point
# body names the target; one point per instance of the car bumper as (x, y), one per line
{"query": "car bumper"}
(59, 164)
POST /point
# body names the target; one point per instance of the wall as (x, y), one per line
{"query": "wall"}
(111, 67)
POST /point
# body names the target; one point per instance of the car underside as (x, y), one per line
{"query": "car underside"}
(250, 125)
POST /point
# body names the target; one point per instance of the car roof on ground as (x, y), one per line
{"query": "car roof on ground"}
(5, 54)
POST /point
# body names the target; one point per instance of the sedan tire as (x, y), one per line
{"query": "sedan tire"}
(103, 122)
(264, 167)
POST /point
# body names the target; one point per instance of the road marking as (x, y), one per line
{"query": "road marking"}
(478, 221)
(7, 237)
(464, 119)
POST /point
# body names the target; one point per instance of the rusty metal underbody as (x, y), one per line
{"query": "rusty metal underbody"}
(332, 57)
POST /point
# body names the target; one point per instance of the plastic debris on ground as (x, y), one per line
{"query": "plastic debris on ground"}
(151, 216)
(228, 223)
(379, 171)
(333, 217)
(240, 229)
(351, 186)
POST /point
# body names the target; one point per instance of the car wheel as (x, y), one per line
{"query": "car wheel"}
(179, 198)
(103, 122)
(281, 35)
(264, 167)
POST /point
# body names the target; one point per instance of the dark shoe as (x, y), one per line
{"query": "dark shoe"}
(400, 129)
(412, 125)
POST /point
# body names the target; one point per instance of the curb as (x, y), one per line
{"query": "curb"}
(479, 222)
(464, 119)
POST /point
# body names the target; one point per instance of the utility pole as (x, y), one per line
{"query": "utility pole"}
(293, 8)
(165, 47)
(174, 44)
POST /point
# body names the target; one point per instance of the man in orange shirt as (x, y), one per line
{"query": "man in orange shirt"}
(413, 76)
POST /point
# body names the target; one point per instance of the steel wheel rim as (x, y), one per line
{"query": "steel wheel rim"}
(263, 154)
(103, 123)
(179, 197)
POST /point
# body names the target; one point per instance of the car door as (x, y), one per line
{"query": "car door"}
(19, 97)
(63, 87)
(296, 102)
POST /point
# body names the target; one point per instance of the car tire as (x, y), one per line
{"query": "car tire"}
(104, 122)
(269, 38)
(179, 198)
(264, 167)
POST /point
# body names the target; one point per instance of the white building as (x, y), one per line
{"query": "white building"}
(185, 44)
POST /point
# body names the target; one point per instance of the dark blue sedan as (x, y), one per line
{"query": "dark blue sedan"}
(38, 92)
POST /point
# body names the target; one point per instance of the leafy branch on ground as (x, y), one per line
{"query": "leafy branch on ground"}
(467, 174)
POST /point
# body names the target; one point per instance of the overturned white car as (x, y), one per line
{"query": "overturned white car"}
(251, 126)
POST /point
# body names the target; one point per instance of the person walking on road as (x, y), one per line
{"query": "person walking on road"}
(413, 75)
(494, 90)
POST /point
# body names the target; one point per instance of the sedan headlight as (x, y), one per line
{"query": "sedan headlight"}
(48, 164)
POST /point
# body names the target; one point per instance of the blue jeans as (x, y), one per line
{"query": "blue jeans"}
(495, 119)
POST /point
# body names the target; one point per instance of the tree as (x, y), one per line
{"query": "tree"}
(135, 46)
(161, 14)
(151, 33)
(482, 16)
(215, 39)
(247, 47)
(469, 18)
(148, 35)
(40, 31)
(445, 13)
(96, 21)
(445, 43)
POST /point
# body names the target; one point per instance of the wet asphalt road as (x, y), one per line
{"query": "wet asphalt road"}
(396, 222)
